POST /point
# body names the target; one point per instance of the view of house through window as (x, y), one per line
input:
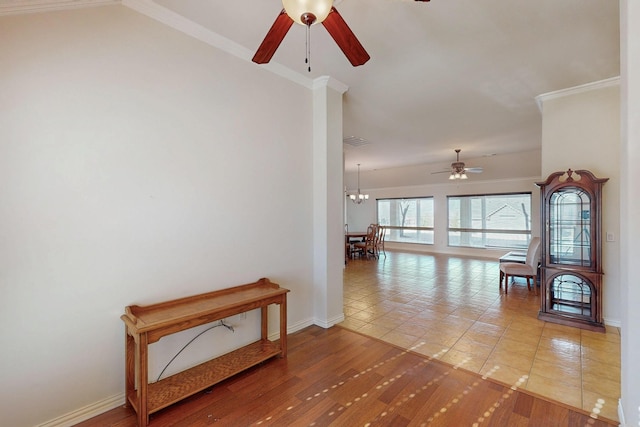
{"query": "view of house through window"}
(490, 221)
(407, 220)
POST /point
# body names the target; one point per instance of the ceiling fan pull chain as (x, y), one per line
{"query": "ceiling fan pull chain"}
(308, 43)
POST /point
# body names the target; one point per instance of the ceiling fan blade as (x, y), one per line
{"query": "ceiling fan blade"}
(345, 39)
(473, 170)
(273, 38)
(444, 171)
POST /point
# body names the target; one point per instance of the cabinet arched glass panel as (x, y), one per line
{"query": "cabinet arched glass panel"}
(571, 294)
(570, 227)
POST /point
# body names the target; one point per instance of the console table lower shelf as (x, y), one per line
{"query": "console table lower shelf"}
(145, 325)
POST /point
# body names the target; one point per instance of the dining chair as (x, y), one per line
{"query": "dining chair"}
(529, 269)
(368, 246)
(347, 244)
(382, 231)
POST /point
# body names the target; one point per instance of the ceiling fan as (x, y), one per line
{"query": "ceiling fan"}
(309, 12)
(458, 168)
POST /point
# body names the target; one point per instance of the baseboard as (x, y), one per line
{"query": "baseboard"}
(86, 412)
(326, 324)
(621, 414)
(613, 322)
(292, 328)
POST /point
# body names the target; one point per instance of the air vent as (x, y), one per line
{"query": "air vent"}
(355, 141)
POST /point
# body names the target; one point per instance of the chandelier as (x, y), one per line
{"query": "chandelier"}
(358, 198)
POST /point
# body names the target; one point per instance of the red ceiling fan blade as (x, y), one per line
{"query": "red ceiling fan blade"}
(345, 39)
(273, 38)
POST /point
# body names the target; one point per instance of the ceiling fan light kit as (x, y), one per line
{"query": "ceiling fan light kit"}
(307, 12)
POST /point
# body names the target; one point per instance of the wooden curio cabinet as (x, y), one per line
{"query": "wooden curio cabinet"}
(571, 262)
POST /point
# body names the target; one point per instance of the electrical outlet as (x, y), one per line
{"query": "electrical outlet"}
(610, 237)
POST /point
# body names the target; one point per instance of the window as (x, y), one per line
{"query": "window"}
(490, 221)
(407, 220)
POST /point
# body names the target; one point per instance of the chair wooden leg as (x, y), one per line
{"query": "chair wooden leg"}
(506, 283)
(501, 277)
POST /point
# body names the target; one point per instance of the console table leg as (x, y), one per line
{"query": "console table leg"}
(130, 366)
(283, 327)
(143, 380)
(264, 322)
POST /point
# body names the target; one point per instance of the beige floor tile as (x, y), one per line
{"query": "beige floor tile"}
(560, 331)
(601, 385)
(520, 348)
(569, 374)
(604, 357)
(400, 339)
(555, 390)
(601, 405)
(496, 318)
(375, 331)
(387, 321)
(430, 349)
(522, 337)
(600, 344)
(365, 316)
(463, 360)
(475, 348)
(484, 337)
(594, 368)
(610, 335)
(506, 374)
(513, 360)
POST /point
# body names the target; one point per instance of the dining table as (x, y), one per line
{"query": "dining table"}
(347, 239)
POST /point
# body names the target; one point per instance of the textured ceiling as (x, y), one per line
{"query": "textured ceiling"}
(445, 74)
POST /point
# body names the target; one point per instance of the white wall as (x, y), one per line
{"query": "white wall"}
(136, 165)
(581, 130)
(417, 181)
(630, 210)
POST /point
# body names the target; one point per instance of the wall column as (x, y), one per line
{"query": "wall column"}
(629, 408)
(328, 202)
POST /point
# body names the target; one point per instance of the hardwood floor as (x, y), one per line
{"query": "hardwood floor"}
(338, 377)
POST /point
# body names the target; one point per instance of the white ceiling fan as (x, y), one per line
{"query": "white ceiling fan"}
(458, 168)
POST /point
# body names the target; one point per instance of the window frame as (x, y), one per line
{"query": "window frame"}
(408, 228)
(486, 231)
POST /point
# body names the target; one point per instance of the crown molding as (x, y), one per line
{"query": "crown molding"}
(541, 99)
(186, 26)
(16, 7)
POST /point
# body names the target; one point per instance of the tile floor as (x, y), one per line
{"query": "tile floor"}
(452, 307)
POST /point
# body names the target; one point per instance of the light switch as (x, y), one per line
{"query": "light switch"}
(610, 237)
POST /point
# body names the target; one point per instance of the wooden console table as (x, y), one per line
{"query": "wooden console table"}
(145, 325)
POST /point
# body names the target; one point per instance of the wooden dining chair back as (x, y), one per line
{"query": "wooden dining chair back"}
(382, 231)
(347, 244)
(368, 246)
(528, 270)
